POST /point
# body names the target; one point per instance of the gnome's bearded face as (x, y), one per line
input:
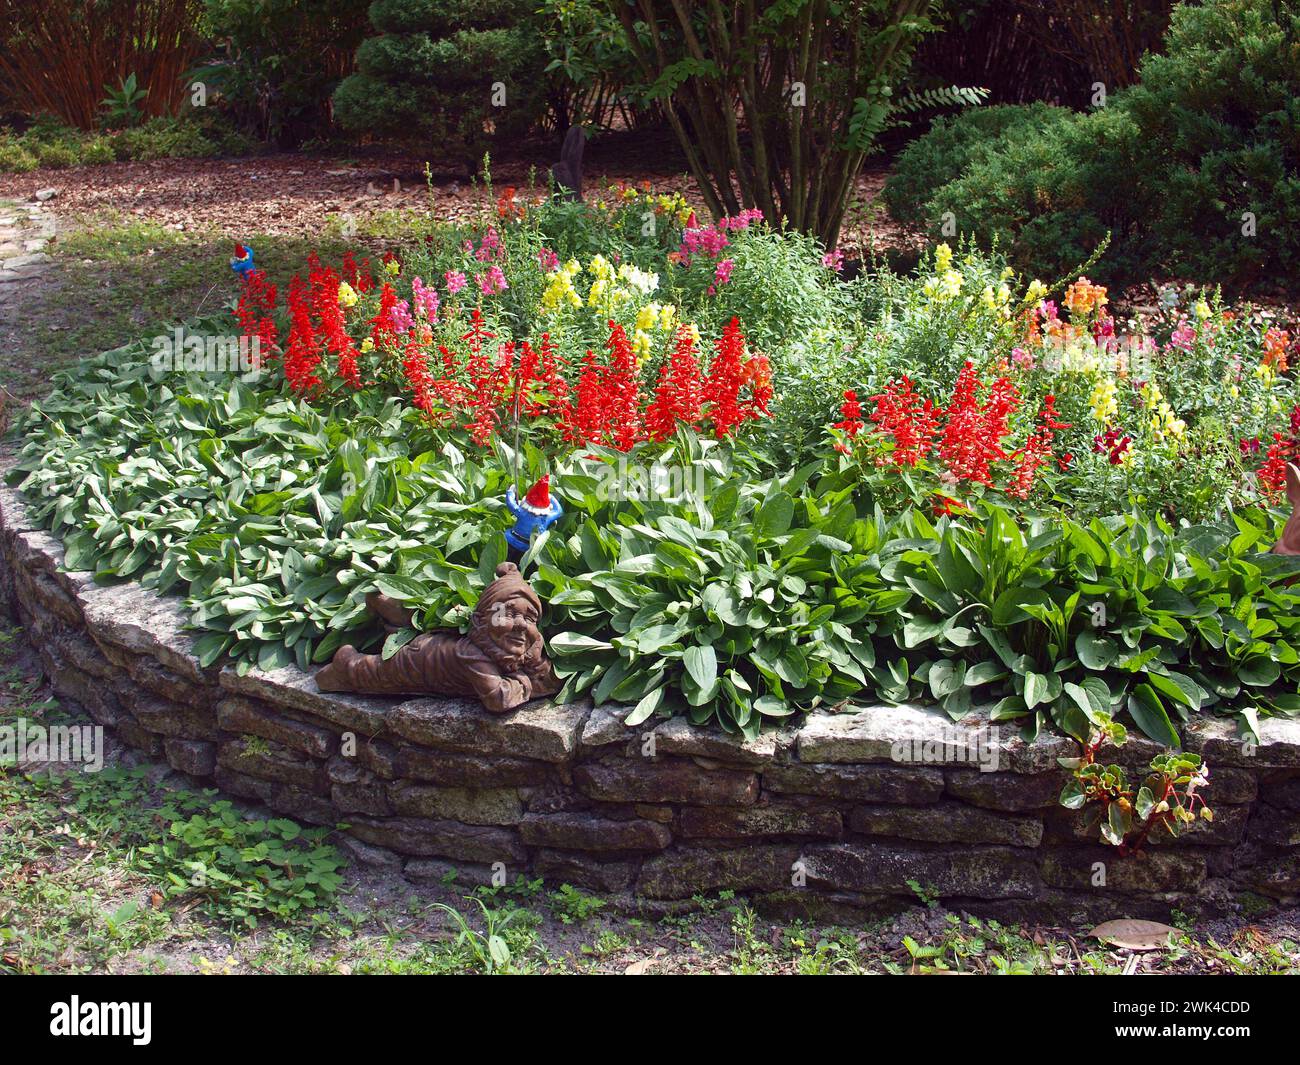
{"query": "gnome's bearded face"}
(505, 621)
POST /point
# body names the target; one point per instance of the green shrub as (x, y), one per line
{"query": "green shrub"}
(97, 150)
(279, 62)
(951, 145)
(49, 144)
(163, 138)
(1049, 198)
(1221, 112)
(1176, 168)
(591, 65)
(15, 158)
(431, 75)
(57, 155)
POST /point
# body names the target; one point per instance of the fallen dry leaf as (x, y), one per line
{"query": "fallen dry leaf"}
(1133, 934)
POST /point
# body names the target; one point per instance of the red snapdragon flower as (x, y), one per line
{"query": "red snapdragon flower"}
(302, 353)
(679, 396)
(1037, 450)
(1113, 444)
(913, 423)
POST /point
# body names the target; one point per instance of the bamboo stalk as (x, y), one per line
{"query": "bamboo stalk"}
(59, 56)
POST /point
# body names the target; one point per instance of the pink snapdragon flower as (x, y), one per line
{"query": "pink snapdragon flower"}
(492, 280)
(707, 241)
(489, 247)
(455, 281)
(721, 275)
(400, 317)
(425, 299)
(741, 221)
(1184, 337)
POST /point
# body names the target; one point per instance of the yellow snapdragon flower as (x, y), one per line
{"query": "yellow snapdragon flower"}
(559, 291)
(1103, 401)
(347, 295)
(945, 287)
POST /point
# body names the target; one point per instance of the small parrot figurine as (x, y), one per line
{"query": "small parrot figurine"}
(242, 263)
(533, 515)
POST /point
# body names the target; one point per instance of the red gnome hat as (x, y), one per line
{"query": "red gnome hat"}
(539, 496)
(239, 251)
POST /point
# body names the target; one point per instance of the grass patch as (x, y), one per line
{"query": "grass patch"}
(116, 278)
(100, 863)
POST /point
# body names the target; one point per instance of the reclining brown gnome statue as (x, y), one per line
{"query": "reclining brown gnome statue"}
(500, 660)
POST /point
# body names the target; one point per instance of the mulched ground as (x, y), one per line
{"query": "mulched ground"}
(293, 193)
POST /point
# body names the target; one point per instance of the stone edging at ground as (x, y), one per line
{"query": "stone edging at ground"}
(871, 809)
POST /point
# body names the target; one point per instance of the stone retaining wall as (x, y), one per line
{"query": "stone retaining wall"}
(869, 809)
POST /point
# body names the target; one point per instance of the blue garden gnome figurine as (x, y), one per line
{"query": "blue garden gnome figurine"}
(242, 263)
(534, 514)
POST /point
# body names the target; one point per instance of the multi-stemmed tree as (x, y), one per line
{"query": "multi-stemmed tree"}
(776, 104)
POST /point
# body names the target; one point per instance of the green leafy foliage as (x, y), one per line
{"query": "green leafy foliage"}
(735, 598)
(121, 105)
(240, 870)
(1055, 621)
(739, 602)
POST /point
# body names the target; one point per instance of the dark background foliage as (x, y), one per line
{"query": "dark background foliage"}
(1177, 168)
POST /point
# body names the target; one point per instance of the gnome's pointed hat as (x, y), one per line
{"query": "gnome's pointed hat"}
(539, 496)
(538, 499)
